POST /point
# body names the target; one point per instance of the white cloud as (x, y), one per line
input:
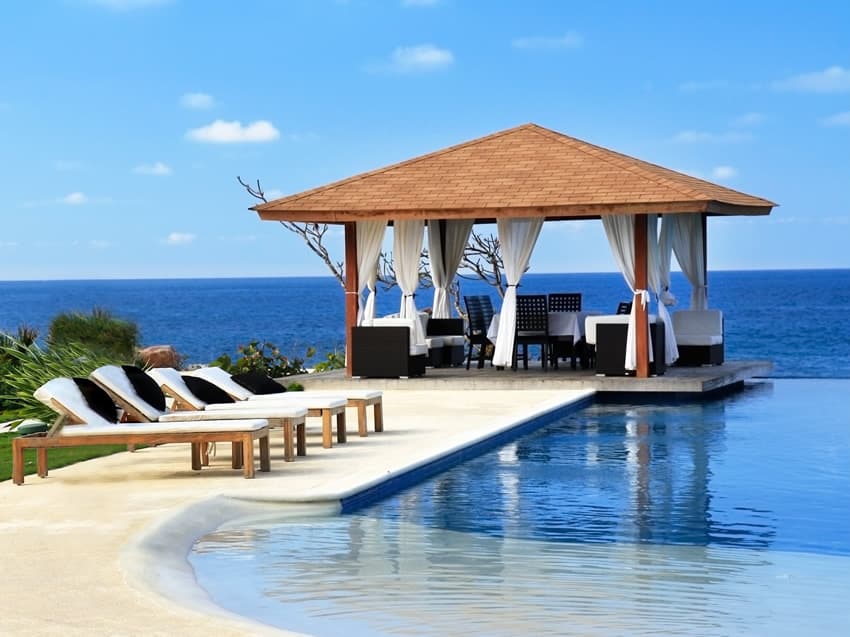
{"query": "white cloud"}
(74, 199)
(197, 101)
(221, 132)
(570, 40)
(698, 137)
(723, 172)
(128, 5)
(835, 79)
(179, 238)
(158, 169)
(696, 86)
(99, 243)
(419, 3)
(416, 59)
(749, 119)
(274, 193)
(839, 119)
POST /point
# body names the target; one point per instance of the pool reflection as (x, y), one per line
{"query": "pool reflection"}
(611, 473)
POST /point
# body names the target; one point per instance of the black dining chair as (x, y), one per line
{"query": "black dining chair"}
(562, 346)
(532, 327)
(565, 302)
(479, 313)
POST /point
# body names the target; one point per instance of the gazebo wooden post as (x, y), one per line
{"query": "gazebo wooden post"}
(705, 255)
(351, 291)
(642, 321)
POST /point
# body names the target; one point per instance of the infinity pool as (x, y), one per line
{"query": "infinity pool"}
(718, 518)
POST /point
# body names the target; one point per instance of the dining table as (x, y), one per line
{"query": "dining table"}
(560, 324)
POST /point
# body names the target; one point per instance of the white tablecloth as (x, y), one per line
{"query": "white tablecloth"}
(560, 324)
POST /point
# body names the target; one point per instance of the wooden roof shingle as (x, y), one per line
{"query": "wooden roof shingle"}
(523, 171)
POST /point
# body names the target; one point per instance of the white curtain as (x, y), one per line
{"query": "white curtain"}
(665, 256)
(445, 259)
(407, 249)
(517, 238)
(654, 280)
(687, 240)
(370, 237)
(620, 230)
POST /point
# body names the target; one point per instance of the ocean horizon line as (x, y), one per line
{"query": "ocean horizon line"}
(329, 276)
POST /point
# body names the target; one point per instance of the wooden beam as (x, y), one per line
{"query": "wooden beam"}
(641, 260)
(705, 254)
(351, 291)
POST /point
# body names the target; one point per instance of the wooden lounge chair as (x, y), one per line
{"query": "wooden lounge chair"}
(143, 401)
(359, 399)
(78, 424)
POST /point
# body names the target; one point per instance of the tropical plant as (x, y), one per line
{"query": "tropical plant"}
(333, 360)
(99, 332)
(262, 357)
(30, 366)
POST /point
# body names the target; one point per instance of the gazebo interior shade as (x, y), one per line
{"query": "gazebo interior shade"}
(527, 171)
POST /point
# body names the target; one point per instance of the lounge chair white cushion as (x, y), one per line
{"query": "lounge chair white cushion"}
(115, 380)
(351, 394)
(698, 327)
(217, 376)
(269, 412)
(172, 426)
(284, 401)
(63, 396)
(170, 380)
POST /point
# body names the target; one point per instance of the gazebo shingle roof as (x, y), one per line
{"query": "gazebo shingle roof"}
(524, 171)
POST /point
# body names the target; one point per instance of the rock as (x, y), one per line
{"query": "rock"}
(160, 356)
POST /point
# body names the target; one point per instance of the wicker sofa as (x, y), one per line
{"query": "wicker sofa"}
(387, 349)
(699, 337)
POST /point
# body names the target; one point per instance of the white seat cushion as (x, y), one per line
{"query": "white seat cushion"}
(699, 339)
(356, 394)
(177, 426)
(265, 411)
(591, 322)
(307, 399)
(698, 327)
(435, 341)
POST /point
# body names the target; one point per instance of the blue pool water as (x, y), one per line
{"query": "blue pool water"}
(717, 518)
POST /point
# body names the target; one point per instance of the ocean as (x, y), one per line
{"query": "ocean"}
(796, 318)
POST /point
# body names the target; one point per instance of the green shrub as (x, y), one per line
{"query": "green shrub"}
(100, 333)
(29, 367)
(333, 360)
(261, 357)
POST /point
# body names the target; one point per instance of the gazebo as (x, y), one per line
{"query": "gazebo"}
(519, 178)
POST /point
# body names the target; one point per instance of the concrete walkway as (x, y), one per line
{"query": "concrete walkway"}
(99, 548)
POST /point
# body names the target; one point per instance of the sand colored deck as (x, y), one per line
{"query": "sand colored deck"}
(99, 548)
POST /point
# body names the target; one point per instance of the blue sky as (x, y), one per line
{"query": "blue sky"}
(124, 123)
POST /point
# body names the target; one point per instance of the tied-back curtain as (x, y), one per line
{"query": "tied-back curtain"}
(620, 230)
(687, 240)
(517, 238)
(370, 237)
(407, 249)
(654, 279)
(444, 258)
